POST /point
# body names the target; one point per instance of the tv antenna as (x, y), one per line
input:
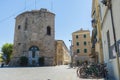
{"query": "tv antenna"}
(25, 5)
(35, 4)
(51, 5)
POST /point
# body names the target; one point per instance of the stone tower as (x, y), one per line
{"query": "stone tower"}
(34, 37)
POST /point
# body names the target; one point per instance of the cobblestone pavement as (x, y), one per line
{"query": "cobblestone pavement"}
(40, 73)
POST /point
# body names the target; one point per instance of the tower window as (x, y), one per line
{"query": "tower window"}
(48, 30)
(19, 26)
(19, 44)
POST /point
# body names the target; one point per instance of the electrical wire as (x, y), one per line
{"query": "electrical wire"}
(13, 15)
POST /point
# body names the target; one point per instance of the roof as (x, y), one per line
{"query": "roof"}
(81, 31)
(36, 11)
(63, 44)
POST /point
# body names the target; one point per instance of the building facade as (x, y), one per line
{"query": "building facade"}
(62, 53)
(110, 21)
(81, 45)
(97, 52)
(34, 37)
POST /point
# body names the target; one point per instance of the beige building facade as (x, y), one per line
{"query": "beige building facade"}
(81, 45)
(34, 37)
(62, 53)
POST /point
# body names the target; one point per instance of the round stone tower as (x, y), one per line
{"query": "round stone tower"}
(34, 37)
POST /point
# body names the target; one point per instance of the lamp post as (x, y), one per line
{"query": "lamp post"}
(108, 3)
(71, 53)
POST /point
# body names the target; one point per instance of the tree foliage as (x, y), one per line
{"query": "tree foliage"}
(7, 50)
(1, 57)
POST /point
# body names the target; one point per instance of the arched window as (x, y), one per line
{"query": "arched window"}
(33, 49)
(19, 26)
(48, 30)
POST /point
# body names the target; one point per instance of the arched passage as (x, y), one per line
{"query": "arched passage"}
(33, 55)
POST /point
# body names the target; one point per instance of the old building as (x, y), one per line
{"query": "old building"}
(110, 21)
(62, 53)
(81, 45)
(97, 52)
(34, 37)
(111, 38)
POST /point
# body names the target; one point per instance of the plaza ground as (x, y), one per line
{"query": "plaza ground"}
(40, 73)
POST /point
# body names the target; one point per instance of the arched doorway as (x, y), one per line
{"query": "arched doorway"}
(33, 55)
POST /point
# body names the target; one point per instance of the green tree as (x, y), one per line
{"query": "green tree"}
(1, 57)
(7, 50)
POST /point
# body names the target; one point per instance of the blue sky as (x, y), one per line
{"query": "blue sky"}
(71, 15)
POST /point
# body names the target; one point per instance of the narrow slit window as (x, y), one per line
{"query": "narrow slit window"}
(48, 30)
(19, 26)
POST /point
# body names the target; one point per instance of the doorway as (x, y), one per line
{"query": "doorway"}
(33, 55)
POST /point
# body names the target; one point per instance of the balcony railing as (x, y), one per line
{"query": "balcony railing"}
(93, 23)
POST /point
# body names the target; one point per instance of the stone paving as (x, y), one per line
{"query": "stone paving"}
(40, 73)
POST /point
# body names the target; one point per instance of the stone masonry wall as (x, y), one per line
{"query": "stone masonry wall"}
(31, 30)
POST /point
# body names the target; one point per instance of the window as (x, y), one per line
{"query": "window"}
(78, 50)
(84, 35)
(19, 44)
(76, 36)
(48, 30)
(85, 50)
(77, 43)
(85, 43)
(19, 27)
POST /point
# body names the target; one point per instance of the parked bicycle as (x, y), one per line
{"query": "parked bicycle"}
(92, 71)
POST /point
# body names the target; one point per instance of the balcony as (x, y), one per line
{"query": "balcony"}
(94, 21)
(94, 34)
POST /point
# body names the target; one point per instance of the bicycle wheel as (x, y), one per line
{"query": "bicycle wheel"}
(83, 73)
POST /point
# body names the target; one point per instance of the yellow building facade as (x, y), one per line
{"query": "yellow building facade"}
(97, 52)
(62, 56)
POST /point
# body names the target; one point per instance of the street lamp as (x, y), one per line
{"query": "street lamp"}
(108, 3)
(71, 53)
